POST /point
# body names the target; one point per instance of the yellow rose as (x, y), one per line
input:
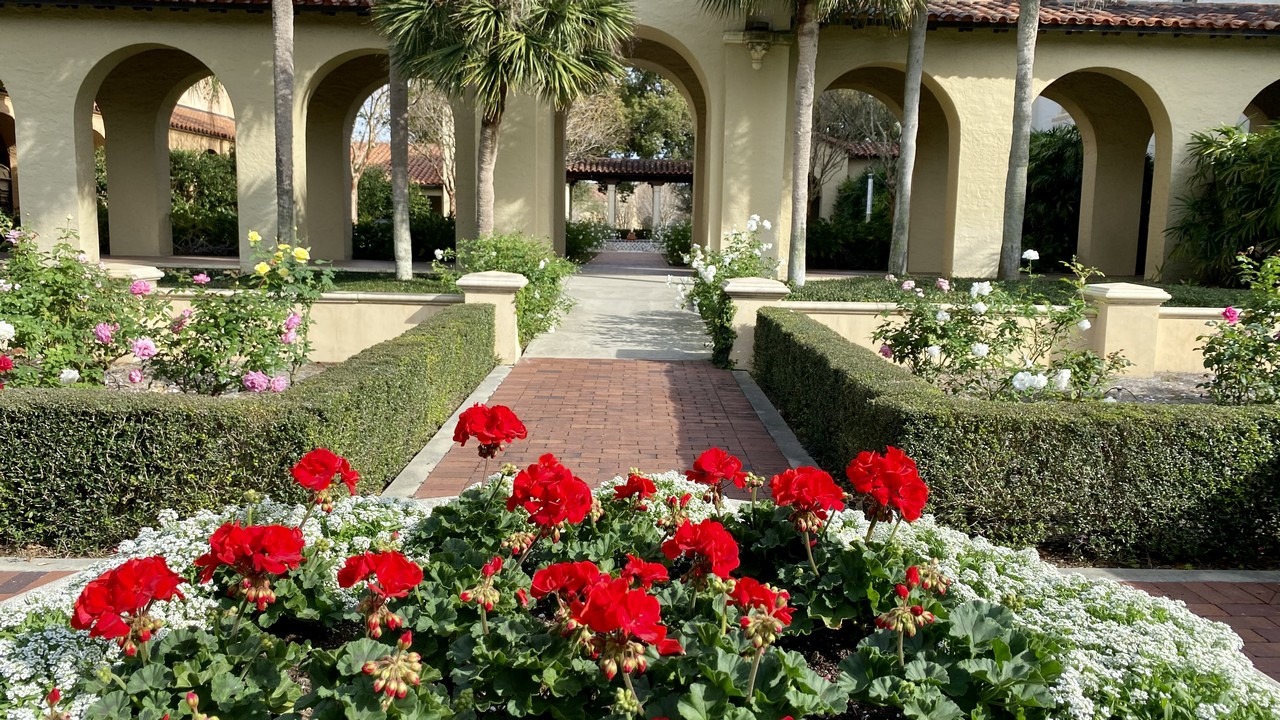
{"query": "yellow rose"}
(262, 268)
(282, 246)
(254, 237)
(278, 256)
(301, 254)
(283, 272)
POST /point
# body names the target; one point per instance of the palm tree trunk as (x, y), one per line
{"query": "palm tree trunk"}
(487, 157)
(907, 142)
(1015, 188)
(403, 243)
(802, 150)
(282, 65)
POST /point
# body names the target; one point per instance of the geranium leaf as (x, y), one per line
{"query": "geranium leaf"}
(933, 706)
(700, 703)
(355, 654)
(148, 678)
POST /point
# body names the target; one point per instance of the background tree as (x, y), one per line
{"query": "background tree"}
(398, 90)
(431, 131)
(808, 14)
(1015, 186)
(659, 123)
(373, 122)
(596, 126)
(907, 143)
(484, 50)
(851, 117)
(282, 72)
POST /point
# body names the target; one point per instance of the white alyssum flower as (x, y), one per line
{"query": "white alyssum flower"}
(980, 349)
(934, 352)
(1084, 324)
(1062, 380)
(7, 332)
(980, 289)
(942, 316)
(1030, 255)
(69, 376)
(980, 308)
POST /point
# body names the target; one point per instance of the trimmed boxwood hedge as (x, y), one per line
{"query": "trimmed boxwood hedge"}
(1103, 482)
(81, 470)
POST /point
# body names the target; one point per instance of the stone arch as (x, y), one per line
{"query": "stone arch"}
(1119, 125)
(9, 204)
(331, 101)
(1264, 109)
(135, 89)
(935, 187)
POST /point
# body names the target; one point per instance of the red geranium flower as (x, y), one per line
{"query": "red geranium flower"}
(569, 580)
(256, 552)
(890, 483)
(6, 363)
(115, 605)
(712, 547)
(637, 486)
(810, 492)
(393, 575)
(620, 615)
(771, 605)
(317, 469)
(491, 427)
(644, 573)
(550, 493)
(715, 466)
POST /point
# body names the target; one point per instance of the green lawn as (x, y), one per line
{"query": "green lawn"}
(343, 280)
(877, 289)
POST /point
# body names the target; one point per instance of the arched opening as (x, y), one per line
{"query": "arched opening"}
(1264, 109)
(333, 102)
(852, 177)
(138, 120)
(1116, 139)
(10, 207)
(934, 188)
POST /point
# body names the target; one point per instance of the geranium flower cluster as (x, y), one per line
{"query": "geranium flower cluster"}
(116, 605)
(387, 575)
(718, 469)
(491, 427)
(811, 494)
(890, 486)
(766, 610)
(909, 614)
(708, 545)
(316, 472)
(257, 553)
(552, 495)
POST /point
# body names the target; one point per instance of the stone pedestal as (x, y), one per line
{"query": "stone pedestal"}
(498, 289)
(749, 295)
(1128, 321)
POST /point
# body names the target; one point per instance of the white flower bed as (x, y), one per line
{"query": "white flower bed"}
(1124, 651)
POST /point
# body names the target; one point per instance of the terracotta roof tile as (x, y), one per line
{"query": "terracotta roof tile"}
(203, 122)
(864, 150)
(638, 169)
(1187, 16)
(425, 168)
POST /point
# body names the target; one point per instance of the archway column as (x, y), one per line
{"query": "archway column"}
(530, 175)
(138, 178)
(255, 161)
(1115, 155)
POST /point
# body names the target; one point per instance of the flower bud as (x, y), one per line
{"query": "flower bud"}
(378, 685)
(193, 701)
(369, 668)
(405, 641)
(54, 696)
(902, 590)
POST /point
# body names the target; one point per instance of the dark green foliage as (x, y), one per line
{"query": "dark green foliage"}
(1231, 205)
(677, 241)
(659, 122)
(873, 288)
(84, 469)
(372, 237)
(1155, 483)
(583, 239)
(1054, 171)
(847, 240)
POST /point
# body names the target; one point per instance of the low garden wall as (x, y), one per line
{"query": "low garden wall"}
(1108, 482)
(83, 469)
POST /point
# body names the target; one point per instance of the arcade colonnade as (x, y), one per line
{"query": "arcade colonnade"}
(1129, 87)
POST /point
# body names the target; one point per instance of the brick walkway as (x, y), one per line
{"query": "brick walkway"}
(1251, 609)
(602, 417)
(13, 584)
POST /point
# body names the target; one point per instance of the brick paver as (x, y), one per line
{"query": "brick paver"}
(1251, 609)
(13, 584)
(602, 417)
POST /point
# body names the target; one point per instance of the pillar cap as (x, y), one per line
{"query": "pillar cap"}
(492, 281)
(1121, 293)
(756, 288)
(131, 271)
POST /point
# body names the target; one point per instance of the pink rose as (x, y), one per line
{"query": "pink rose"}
(293, 322)
(887, 351)
(279, 383)
(1231, 315)
(105, 332)
(140, 287)
(256, 381)
(135, 376)
(943, 284)
(289, 337)
(200, 279)
(144, 348)
(908, 284)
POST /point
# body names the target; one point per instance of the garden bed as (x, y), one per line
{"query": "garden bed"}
(120, 379)
(1110, 483)
(1047, 644)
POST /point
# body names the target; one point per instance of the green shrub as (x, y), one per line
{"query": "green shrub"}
(1230, 206)
(848, 240)
(743, 254)
(1109, 482)
(582, 240)
(373, 239)
(84, 469)
(541, 303)
(1055, 167)
(676, 240)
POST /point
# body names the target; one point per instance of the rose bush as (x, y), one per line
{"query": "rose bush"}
(1243, 352)
(679, 609)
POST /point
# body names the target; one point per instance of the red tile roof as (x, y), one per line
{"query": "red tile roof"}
(425, 168)
(631, 169)
(203, 122)
(1184, 16)
(863, 150)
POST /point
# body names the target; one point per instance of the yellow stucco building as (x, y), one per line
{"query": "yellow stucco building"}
(1133, 76)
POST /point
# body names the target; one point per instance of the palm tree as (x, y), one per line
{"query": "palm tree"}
(1015, 187)
(808, 14)
(282, 69)
(907, 142)
(402, 241)
(484, 50)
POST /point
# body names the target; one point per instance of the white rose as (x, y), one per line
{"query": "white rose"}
(934, 352)
(980, 289)
(890, 278)
(1022, 381)
(980, 349)
(542, 264)
(752, 226)
(1062, 380)
(1039, 381)
(1084, 324)
(7, 332)
(942, 316)
(1030, 255)
(980, 308)
(439, 254)
(766, 224)
(69, 376)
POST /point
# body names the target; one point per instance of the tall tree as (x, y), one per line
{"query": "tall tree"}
(907, 143)
(808, 14)
(1015, 186)
(402, 243)
(372, 121)
(558, 50)
(282, 72)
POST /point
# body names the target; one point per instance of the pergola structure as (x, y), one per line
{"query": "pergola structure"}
(608, 172)
(1132, 76)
